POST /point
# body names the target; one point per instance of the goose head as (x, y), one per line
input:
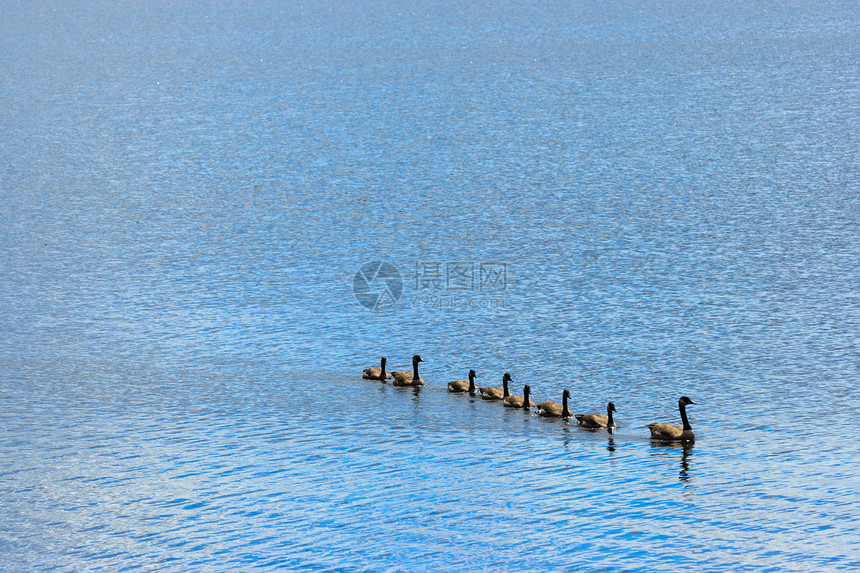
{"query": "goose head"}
(683, 401)
(611, 407)
(472, 374)
(416, 359)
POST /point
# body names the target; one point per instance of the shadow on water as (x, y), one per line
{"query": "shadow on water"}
(668, 448)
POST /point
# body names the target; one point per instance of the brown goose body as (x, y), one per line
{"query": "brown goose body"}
(496, 393)
(464, 385)
(374, 373)
(550, 409)
(523, 401)
(598, 420)
(547, 404)
(671, 432)
(406, 378)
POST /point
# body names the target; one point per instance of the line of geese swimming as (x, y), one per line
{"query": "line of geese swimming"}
(549, 409)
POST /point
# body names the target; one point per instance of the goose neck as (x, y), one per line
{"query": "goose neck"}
(684, 419)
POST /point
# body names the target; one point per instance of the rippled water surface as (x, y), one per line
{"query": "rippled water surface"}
(633, 201)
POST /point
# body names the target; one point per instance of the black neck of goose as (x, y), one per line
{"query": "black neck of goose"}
(684, 419)
(471, 384)
(525, 399)
(609, 415)
(415, 370)
(382, 369)
(564, 411)
(505, 387)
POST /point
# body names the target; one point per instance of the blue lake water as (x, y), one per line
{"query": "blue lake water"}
(634, 201)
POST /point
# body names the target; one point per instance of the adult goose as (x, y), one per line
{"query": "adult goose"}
(406, 378)
(377, 373)
(523, 401)
(550, 409)
(671, 432)
(598, 420)
(464, 385)
(496, 393)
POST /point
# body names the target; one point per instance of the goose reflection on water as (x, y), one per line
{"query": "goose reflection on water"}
(684, 473)
(665, 449)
